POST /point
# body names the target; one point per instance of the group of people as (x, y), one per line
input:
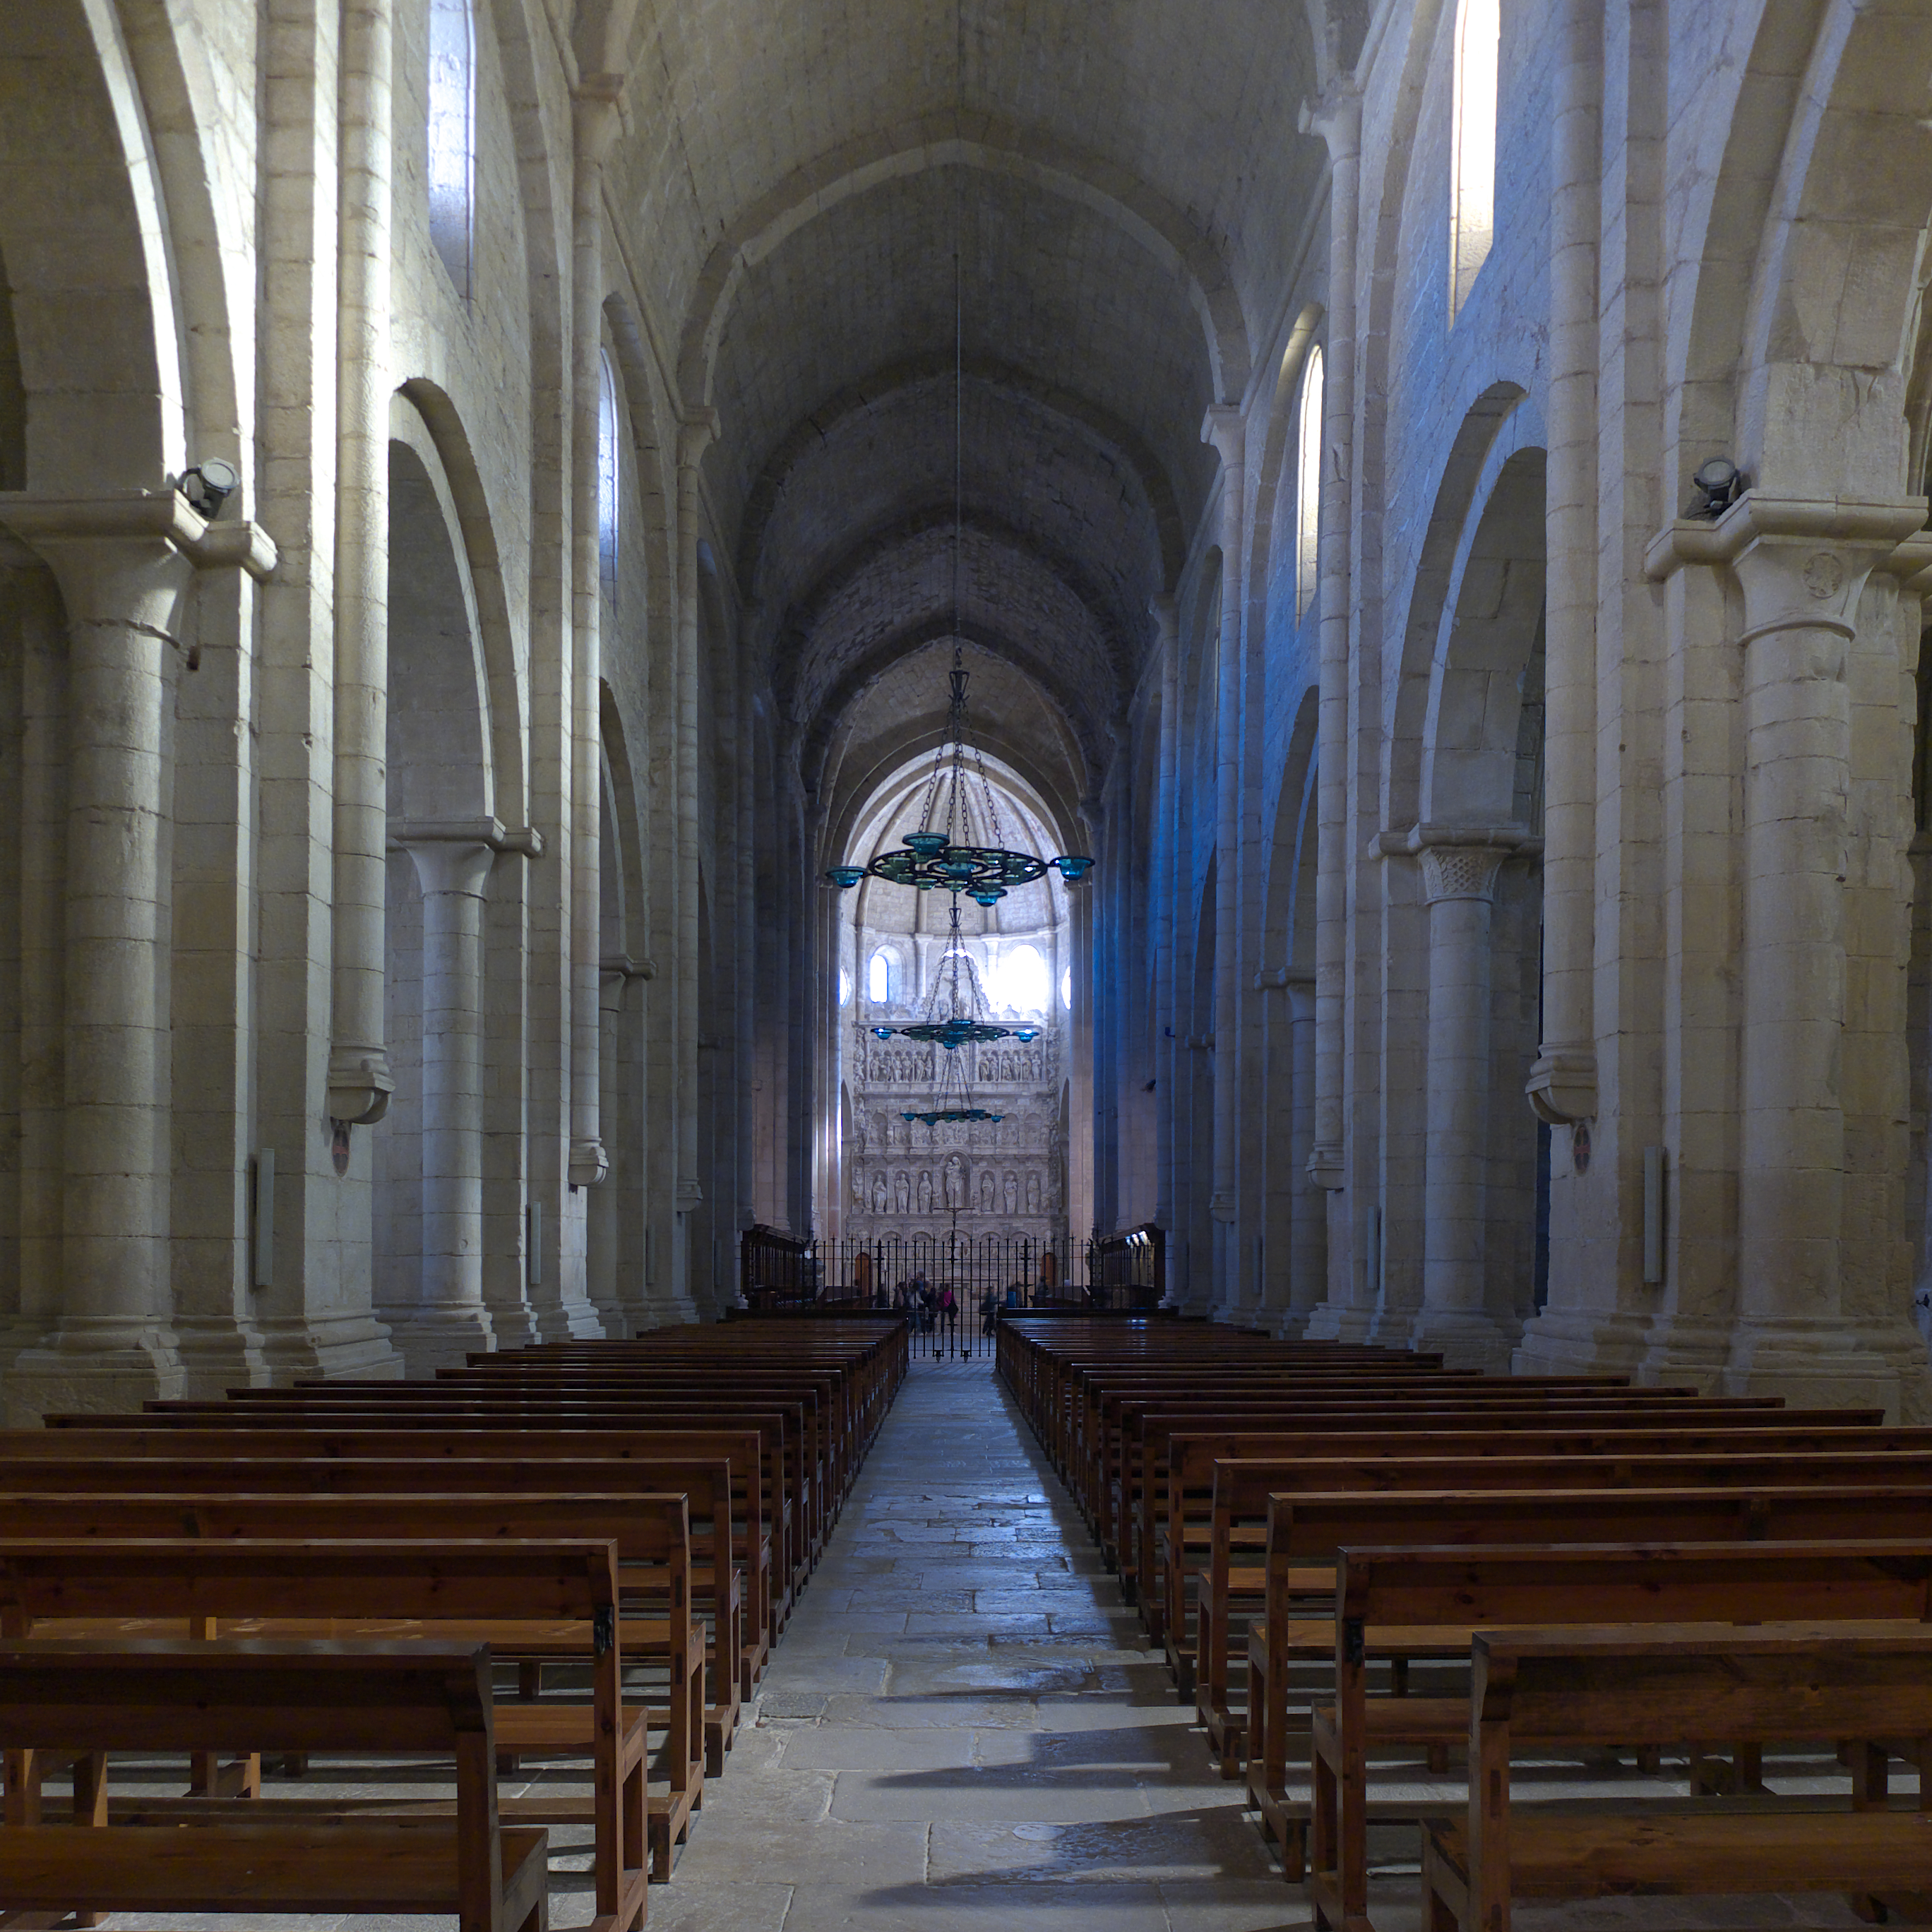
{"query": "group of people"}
(933, 1309)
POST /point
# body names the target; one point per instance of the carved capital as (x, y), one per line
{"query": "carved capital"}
(1325, 1164)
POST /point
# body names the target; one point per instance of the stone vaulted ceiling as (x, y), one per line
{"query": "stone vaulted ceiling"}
(1123, 188)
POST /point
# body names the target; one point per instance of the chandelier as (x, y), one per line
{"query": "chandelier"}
(933, 857)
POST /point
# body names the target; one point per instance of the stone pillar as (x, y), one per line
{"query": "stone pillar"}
(603, 1274)
(450, 1318)
(359, 1081)
(1337, 117)
(1165, 868)
(1795, 1334)
(595, 121)
(1562, 1084)
(1459, 879)
(1229, 1287)
(1308, 1229)
(695, 431)
(124, 565)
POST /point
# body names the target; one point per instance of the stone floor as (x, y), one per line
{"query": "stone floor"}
(963, 1726)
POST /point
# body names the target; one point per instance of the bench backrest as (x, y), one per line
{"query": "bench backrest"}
(154, 1695)
(1601, 1685)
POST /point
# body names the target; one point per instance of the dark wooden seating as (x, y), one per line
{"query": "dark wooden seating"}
(653, 1574)
(1593, 1685)
(1231, 1584)
(413, 1699)
(527, 1600)
(1393, 1605)
(408, 1440)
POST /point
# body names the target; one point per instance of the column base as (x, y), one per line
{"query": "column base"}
(437, 1338)
(1575, 1342)
(574, 1320)
(93, 1367)
(664, 1311)
(340, 1347)
(1466, 1338)
(218, 1355)
(1816, 1363)
(1338, 1321)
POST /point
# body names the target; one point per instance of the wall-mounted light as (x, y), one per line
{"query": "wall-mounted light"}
(1719, 484)
(209, 485)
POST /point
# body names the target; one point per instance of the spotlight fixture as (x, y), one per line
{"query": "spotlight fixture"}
(1719, 484)
(209, 485)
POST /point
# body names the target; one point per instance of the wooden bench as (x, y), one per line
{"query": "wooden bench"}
(1592, 1685)
(707, 1487)
(410, 1440)
(1393, 1604)
(1307, 1531)
(410, 1698)
(1231, 1585)
(789, 1496)
(654, 1565)
(524, 1599)
(1375, 1435)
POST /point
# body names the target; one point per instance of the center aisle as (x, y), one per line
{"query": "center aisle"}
(963, 1725)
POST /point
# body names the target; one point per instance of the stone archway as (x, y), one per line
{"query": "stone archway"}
(428, 1228)
(1475, 845)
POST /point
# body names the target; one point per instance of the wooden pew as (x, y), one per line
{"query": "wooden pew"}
(653, 1575)
(409, 1438)
(412, 1699)
(1231, 1583)
(785, 1499)
(1307, 1532)
(1392, 1604)
(1194, 1450)
(706, 1486)
(525, 1598)
(1595, 1685)
(1384, 1431)
(1371, 1438)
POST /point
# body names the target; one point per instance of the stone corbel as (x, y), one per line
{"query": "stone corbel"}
(165, 514)
(524, 840)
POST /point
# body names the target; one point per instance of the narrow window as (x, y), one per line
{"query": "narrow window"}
(607, 478)
(1308, 484)
(844, 987)
(1066, 986)
(879, 978)
(1023, 981)
(1473, 190)
(452, 135)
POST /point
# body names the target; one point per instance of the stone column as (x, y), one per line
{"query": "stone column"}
(1337, 117)
(124, 565)
(695, 431)
(1165, 866)
(451, 1317)
(1228, 1288)
(604, 1273)
(594, 122)
(1562, 1084)
(1308, 1237)
(1458, 879)
(359, 1081)
(1795, 1333)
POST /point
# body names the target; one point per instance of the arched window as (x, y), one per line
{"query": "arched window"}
(1066, 986)
(1472, 192)
(879, 978)
(1308, 484)
(844, 987)
(451, 170)
(1023, 981)
(607, 478)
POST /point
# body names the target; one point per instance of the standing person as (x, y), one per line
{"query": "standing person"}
(989, 1306)
(949, 1310)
